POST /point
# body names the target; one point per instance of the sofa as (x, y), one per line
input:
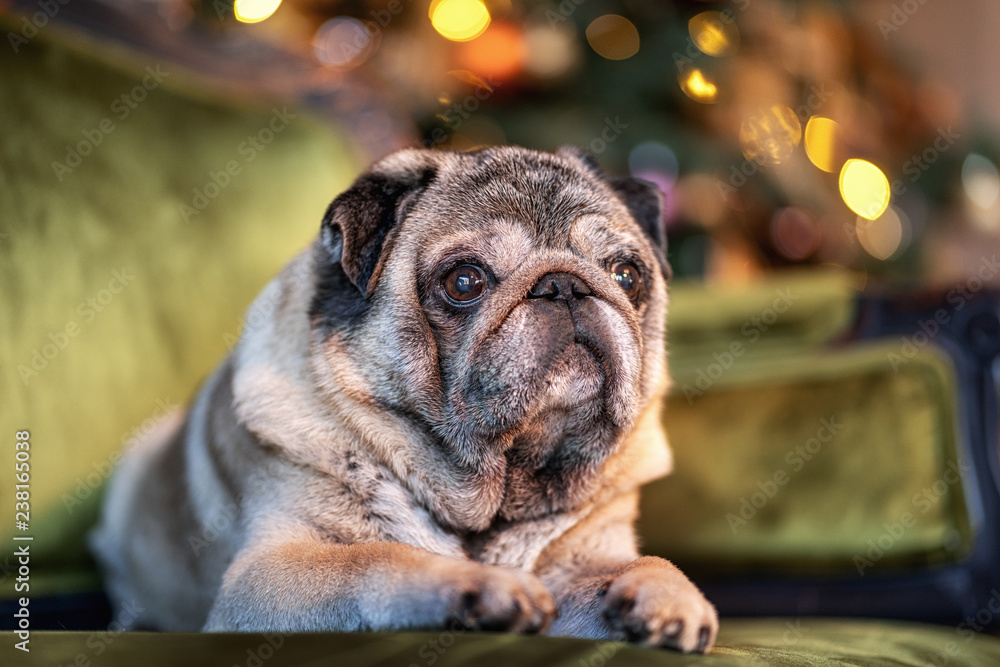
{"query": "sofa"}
(836, 485)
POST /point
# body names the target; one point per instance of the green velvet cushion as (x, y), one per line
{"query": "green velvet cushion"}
(797, 454)
(792, 642)
(117, 300)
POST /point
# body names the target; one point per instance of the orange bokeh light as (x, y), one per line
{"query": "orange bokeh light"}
(498, 52)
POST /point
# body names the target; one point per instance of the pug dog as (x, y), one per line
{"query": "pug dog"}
(445, 417)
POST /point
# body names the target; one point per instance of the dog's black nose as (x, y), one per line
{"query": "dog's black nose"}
(565, 286)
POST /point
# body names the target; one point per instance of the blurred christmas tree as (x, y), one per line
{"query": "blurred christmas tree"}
(781, 133)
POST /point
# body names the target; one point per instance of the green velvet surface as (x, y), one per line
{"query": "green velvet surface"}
(115, 300)
(793, 642)
(794, 453)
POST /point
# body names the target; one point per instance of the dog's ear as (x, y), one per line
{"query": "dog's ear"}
(356, 224)
(642, 198)
(645, 202)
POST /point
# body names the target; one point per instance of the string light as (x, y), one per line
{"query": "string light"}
(821, 143)
(459, 20)
(696, 86)
(864, 188)
(254, 11)
(715, 33)
(613, 37)
(769, 136)
(343, 42)
(884, 237)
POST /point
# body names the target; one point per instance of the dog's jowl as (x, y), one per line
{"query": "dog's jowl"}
(445, 417)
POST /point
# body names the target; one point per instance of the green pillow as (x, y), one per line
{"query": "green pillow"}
(793, 453)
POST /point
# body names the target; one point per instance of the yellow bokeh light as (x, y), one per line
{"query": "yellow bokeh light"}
(821, 142)
(864, 188)
(459, 20)
(254, 11)
(697, 87)
(715, 33)
(769, 136)
(613, 37)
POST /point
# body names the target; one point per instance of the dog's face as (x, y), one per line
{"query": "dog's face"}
(512, 302)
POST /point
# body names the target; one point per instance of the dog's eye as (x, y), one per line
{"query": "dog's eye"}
(465, 284)
(628, 279)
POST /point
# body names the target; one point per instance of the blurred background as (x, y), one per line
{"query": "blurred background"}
(782, 133)
(835, 147)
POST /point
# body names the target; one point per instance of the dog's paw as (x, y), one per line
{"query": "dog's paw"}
(500, 599)
(653, 603)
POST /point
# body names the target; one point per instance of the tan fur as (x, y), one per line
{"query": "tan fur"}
(387, 468)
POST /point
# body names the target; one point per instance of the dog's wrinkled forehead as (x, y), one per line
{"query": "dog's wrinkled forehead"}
(502, 207)
(543, 192)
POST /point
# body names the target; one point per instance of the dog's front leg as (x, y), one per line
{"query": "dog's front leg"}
(307, 585)
(604, 590)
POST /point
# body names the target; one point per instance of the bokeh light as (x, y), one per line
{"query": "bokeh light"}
(864, 188)
(696, 86)
(613, 37)
(821, 136)
(499, 52)
(980, 180)
(886, 236)
(459, 20)
(254, 11)
(655, 162)
(550, 52)
(343, 42)
(769, 136)
(715, 33)
(698, 200)
(795, 233)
